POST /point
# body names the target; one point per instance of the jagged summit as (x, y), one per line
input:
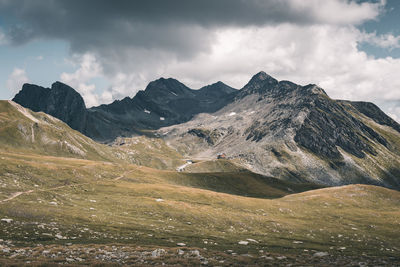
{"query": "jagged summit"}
(259, 81)
(166, 84)
(60, 101)
(267, 86)
(218, 89)
(262, 75)
(60, 86)
(163, 89)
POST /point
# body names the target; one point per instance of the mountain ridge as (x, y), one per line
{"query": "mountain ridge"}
(164, 102)
(298, 133)
(275, 128)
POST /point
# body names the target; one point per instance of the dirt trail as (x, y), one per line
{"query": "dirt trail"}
(122, 176)
(16, 194)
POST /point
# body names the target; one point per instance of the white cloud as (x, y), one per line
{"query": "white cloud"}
(394, 111)
(323, 54)
(394, 116)
(327, 55)
(388, 41)
(16, 79)
(89, 68)
(322, 48)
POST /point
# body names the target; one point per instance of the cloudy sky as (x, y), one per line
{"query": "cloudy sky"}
(107, 50)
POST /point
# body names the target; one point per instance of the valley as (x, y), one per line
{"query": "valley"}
(126, 214)
(125, 204)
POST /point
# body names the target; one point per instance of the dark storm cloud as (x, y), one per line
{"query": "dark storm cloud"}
(179, 26)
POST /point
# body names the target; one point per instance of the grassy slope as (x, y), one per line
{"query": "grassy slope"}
(149, 151)
(98, 200)
(216, 165)
(24, 131)
(363, 219)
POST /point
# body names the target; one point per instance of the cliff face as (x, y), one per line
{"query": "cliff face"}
(61, 101)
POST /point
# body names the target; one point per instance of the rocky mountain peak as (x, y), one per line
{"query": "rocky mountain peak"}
(59, 86)
(161, 88)
(61, 101)
(259, 83)
(165, 84)
(216, 89)
(263, 78)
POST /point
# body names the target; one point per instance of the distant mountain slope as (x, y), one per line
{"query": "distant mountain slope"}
(164, 102)
(295, 132)
(22, 130)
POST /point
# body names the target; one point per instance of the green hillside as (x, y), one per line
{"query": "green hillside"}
(55, 201)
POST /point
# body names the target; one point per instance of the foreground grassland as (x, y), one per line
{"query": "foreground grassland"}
(77, 211)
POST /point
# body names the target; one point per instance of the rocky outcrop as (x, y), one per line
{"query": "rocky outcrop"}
(372, 111)
(61, 101)
(329, 126)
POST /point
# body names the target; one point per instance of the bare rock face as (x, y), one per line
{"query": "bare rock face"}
(330, 126)
(298, 133)
(372, 111)
(61, 101)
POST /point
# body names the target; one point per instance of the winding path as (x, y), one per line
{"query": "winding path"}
(17, 194)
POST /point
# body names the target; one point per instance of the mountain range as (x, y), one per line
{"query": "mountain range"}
(150, 191)
(164, 102)
(276, 128)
